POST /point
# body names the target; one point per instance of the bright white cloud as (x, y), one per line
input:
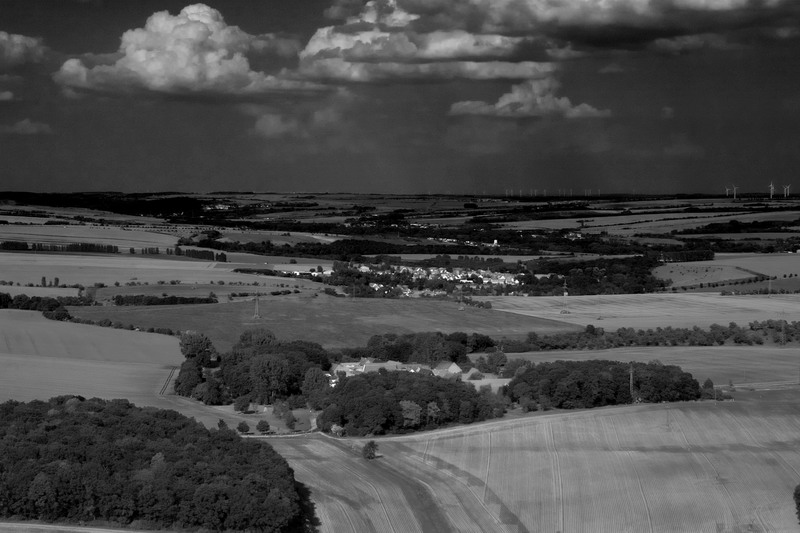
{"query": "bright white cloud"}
(343, 71)
(192, 52)
(26, 127)
(17, 50)
(532, 98)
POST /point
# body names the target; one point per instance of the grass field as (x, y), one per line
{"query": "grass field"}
(652, 310)
(332, 322)
(744, 366)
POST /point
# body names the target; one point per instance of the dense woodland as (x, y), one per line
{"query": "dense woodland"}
(396, 402)
(83, 461)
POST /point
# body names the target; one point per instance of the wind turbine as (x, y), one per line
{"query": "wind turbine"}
(771, 190)
(786, 190)
(735, 188)
(727, 191)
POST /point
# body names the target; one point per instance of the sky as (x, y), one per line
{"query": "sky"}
(400, 96)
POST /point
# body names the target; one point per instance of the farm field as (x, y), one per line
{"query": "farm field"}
(691, 467)
(25, 268)
(650, 310)
(113, 235)
(42, 358)
(630, 224)
(332, 322)
(744, 366)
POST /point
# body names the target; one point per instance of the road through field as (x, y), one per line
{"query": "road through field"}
(692, 467)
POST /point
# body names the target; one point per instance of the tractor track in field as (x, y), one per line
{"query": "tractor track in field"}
(163, 390)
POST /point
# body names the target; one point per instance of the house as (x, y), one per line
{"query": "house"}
(447, 369)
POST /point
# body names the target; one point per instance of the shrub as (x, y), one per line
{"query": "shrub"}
(243, 427)
(370, 451)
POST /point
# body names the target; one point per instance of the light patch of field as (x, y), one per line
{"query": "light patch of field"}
(332, 322)
(694, 467)
(277, 238)
(649, 310)
(41, 358)
(769, 264)
(784, 235)
(743, 366)
(13, 290)
(87, 269)
(29, 333)
(113, 235)
(658, 224)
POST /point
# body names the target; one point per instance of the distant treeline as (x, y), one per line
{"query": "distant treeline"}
(737, 226)
(143, 299)
(111, 463)
(596, 383)
(75, 247)
(597, 338)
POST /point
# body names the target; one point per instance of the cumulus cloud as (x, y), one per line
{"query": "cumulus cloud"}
(192, 52)
(379, 45)
(532, 98)
(17, 50)
(26, 127)
(6, 96)
(690, 43)
(345, 71)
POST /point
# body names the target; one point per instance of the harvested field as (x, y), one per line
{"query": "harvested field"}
(744, 366)
(650, 310)
(693, 467)
(332, 322)
(41, 358)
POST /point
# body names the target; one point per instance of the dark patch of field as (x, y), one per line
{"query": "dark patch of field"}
(332, 322)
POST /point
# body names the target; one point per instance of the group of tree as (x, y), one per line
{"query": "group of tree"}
(427, 348)
(259, 368)
(596, 383)
(96, 461)
(384, 402)
(144, 299)
(52, 308)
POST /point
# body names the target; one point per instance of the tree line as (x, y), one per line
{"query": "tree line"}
(96, 461)
(144, 299)
(75, 247)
